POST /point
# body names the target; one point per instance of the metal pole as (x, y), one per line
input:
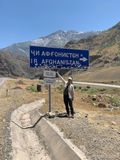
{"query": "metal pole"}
(49, 98)
(72, 74)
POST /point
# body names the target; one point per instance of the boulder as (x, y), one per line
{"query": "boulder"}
(102, 105)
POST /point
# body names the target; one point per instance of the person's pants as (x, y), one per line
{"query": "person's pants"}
(68, 105)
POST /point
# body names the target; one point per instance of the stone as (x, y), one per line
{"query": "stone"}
(94, 98)
(113, 123)
(102, 105)
(86, 116)
(4, 120)
(51, 114)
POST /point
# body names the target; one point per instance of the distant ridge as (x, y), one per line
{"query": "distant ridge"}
(106, 45)
(56, 39)
(14, 59)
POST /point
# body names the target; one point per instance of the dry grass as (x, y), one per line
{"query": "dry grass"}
(107, 75)
(14, 93)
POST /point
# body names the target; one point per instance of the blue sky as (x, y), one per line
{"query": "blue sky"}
(24, 20)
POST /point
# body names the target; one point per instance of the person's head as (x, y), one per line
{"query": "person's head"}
(69, 80)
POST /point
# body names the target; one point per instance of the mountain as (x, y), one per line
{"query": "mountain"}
(104, 49)
(14, 59)
(13, 65)
(57, 39)
(106, 46)
(60, 38)
(18, 48)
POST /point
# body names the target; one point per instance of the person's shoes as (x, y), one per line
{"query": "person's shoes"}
(72, 116)
(68, 116)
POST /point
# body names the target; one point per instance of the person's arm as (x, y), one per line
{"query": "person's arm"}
(63, 80)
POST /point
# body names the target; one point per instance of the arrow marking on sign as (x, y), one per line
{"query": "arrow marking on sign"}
(83, 59)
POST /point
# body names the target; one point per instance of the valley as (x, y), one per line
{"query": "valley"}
(95, 129)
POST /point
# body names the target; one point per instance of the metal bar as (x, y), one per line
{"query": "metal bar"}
(49, 97)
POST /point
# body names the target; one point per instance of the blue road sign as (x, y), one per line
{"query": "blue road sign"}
(58, 58)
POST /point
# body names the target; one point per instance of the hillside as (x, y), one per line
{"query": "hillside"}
(14, 59)
(106, 45)
(13, 65)
(56, 39)
(104, 49)
(103, 75)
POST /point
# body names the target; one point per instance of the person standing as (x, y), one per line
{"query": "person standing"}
(68, 95)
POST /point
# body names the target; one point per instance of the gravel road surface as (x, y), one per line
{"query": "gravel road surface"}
(98, 143)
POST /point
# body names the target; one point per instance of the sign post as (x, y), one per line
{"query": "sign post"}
(50, 97)
(49, 78)
(57, 58)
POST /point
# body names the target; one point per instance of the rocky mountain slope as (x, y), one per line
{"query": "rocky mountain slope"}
(14, 59)
(13, 64)
(57, 39)
(106, 46)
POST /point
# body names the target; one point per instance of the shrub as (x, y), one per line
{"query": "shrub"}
(115, 101)
(32, 88)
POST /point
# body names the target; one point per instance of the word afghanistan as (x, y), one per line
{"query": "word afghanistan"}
(58, 58)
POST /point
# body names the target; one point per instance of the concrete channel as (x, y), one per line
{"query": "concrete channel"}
(26, 143)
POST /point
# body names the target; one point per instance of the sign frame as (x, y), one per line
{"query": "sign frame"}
(49, 80)
(49, 74)
(58, 58)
